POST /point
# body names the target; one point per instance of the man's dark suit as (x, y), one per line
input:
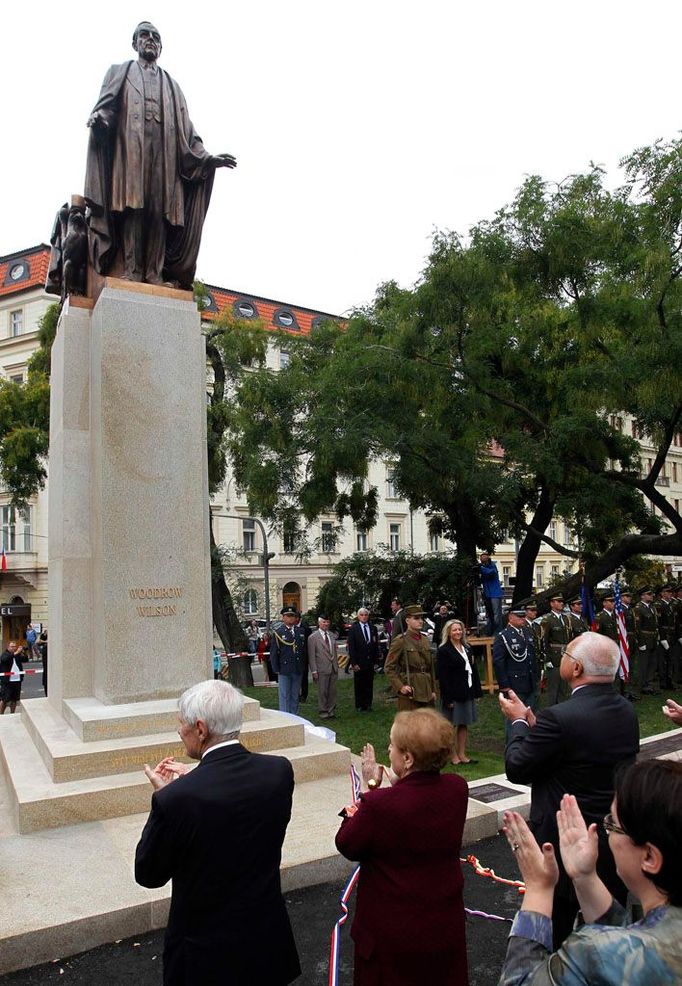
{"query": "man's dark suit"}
(364, 655)
(574, 748)
(217, 833)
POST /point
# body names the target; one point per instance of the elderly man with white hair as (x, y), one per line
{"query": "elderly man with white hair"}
(574, 748)
(363, 654)
(217, 831)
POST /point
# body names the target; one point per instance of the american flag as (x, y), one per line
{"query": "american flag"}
(624, 667)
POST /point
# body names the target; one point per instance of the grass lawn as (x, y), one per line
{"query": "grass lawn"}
(486, 737)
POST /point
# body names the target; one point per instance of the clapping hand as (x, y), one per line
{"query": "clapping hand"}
(578, 844)
(371, 770)
(673, 711)
(538, 866)
(165, 772)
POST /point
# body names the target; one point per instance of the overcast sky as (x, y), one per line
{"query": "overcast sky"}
(358, 127)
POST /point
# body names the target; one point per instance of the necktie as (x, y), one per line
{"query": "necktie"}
(366, 631)
(326, 642)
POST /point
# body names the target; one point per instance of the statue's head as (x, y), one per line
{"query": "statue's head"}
(147, 41)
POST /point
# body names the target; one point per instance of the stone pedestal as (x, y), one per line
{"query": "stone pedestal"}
(130, 604)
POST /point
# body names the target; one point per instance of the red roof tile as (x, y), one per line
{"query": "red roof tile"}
(37, 258)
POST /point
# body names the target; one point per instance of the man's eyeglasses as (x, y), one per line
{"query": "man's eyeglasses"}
(610, 825)
(564, 651)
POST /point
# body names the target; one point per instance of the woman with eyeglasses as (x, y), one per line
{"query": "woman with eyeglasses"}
(644, 830)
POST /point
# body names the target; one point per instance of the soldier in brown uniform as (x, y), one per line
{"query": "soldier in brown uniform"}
(646, 639)
(409, 665)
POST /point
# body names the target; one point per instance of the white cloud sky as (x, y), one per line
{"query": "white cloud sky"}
(358, 127)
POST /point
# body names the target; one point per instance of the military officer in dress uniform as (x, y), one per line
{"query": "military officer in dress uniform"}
(576, 620)
(534, 625)
(556, 633)
(514, 660)
(676, 603)
(409, 664)
(606, 621)
(666, 635)
(287, 650)
(646, 639)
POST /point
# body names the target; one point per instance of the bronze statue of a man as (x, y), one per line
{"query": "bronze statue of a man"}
(148, 176)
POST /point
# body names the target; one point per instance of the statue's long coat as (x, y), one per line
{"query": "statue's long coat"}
(114, 178)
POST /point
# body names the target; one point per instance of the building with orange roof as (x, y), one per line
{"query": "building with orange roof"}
(23, 586)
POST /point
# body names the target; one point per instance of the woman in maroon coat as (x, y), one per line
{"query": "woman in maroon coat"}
(409, 918)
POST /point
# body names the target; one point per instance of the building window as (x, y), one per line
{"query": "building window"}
(506, 574)
(17, 378)
(16, 322)
(552, 530)
(677, 506)
(394, 537)
(554, 572)
(250, 602)
(286, 318)
(290, 537)
(243, 308)
(539, 576)
(16, 529)
(328, 539)
(249, 534)
(361, 540)
(390, 483)
(568, 537)
(434, 543)
(674, 472)
(284, 358)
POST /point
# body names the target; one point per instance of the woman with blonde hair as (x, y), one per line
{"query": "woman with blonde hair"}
(460, 684)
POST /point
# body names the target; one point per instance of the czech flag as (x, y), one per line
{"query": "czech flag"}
(3, 562)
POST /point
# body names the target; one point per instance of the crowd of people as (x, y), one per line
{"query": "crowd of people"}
(599, 856)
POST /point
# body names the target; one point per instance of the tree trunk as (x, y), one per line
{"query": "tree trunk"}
(240, 674)
(530, 546)
(224, 616)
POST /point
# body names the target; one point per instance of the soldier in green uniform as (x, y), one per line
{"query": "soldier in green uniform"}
(576, 620)
(646, 639)
(666, 635)
(606, 620)
(409, 664)
(533, 624)
(556, 633)
(676, 603)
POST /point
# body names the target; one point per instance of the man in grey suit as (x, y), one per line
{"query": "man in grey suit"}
(323, 659)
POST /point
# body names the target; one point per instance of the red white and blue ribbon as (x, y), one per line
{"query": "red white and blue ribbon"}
(334, 943)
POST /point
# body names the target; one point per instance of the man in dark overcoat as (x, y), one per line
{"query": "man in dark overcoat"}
(217, 831)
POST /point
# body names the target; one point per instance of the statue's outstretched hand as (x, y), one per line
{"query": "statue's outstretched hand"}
(223, 161)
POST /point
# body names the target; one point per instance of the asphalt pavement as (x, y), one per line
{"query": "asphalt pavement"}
(313, 912)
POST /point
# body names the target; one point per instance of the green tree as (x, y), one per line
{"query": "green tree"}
(496, 385)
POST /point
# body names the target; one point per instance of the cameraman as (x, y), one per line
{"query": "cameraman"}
(492, 594)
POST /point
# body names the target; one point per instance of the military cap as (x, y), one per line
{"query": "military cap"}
(531, 604)
(644, 588)
(574, 599)
(609, 594)
(516, 611)
(556, 596)
(289, 611)
(414, 611)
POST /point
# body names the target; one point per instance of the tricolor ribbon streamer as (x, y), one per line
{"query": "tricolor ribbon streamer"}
(482, 870)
